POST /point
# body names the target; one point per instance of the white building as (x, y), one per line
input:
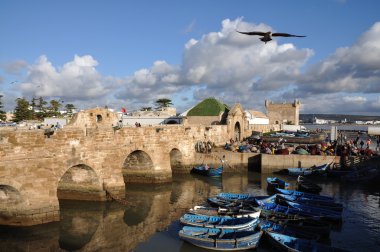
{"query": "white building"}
(163, 116)
(256, 117)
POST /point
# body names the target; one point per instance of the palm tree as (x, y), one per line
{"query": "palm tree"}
(163, 103)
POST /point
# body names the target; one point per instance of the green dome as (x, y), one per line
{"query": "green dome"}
(208, 107)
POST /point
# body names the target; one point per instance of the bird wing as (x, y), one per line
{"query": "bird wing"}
(285, 35)
(253, 33)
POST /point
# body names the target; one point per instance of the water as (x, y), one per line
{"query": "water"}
(150, 221)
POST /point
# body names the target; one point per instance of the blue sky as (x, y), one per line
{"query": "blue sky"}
(131, 53)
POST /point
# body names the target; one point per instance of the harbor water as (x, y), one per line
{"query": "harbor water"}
(149, 220)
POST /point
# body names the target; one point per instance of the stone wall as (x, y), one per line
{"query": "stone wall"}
(275, 163)
(280, 113)
(84, 162)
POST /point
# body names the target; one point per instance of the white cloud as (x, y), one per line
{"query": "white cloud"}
(77, 79)
(224, 62)
(350, 69)
(230, 66)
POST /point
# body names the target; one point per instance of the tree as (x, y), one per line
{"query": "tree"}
(146, 109)
(41, 104)
(69, 108)
(163, 103)
(54, 106)
(2, 113)
(22, 110)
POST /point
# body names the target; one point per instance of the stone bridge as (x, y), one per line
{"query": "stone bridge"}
(87, 158)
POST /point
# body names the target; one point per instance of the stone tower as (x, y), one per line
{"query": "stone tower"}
(283, 113)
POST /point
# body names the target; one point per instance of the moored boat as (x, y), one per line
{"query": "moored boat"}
(331, 205)
(299, 171)
(233, 212)
(290, 243)
(244, 223)
(304, 185)
(304, 194)
(205, 170)
(220, 239)
(274, 182)
(270, 226)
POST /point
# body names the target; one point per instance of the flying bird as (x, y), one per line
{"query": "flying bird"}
(267, 36)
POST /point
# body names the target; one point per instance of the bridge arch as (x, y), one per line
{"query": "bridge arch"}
(138, 160)
(80, 182)
(176, 162)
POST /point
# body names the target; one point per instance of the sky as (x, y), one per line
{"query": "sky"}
(131, 53)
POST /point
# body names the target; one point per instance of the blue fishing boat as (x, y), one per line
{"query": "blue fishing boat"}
(236, 196)
(205, 170)
(305, 195)
(289, 243)
(196, 220)
(304, 185)
(299, 171)
(220, 239)
(316, 211)
(219, 211)
(282, 198)
(322, 228)
(320, 169)
(225, 203)
(274, 182)
(270, 226)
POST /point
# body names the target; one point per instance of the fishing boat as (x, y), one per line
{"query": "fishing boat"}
(305, 194)
(205, 170)
(282, 199)
(196, 220)
(320, 169)
(236, 196)
(294, 244)
(300, 171)
(274, 182)
(233, 212)
(304, 185)
(225, 203)
(270, 226)
(319, 227)
(316, 211)
(220, 239)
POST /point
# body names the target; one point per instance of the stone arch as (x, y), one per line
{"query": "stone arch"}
(237, 131)
(137, 166)
(80, 182)
(9, 195)
(176, 162)
(138, 160)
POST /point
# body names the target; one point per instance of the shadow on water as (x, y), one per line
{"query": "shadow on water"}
(149, 221)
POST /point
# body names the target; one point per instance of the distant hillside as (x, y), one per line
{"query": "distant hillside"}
(308, 118)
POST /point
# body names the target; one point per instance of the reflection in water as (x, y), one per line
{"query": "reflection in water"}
(76, 229)
(150, 220)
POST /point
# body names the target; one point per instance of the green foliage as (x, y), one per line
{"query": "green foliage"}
(146, 109)
(2, 113)
(22, 110)
(208, 107)
(69, 108)
(163, 103)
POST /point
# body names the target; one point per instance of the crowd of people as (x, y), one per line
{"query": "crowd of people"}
(342, 146)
